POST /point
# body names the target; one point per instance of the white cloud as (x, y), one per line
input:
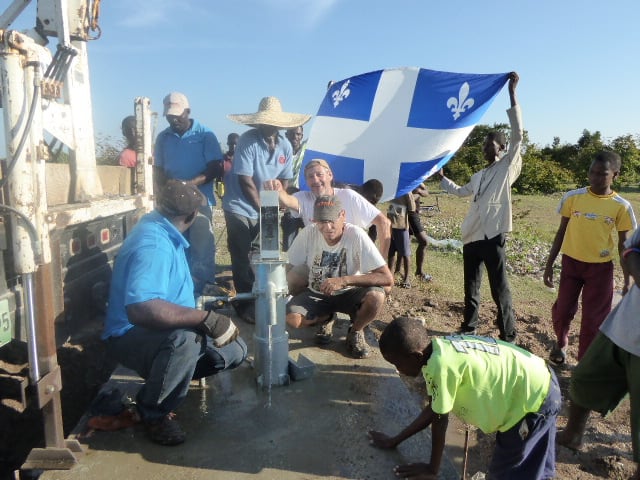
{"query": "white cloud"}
(308, 13)
(142, 14)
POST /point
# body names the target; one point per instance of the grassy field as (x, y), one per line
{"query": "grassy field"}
(535, 222)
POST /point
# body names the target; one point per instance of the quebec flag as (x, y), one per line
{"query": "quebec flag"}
(398, 125)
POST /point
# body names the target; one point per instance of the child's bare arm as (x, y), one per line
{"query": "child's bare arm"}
(422, 421)
(553, 253)
(622, 237)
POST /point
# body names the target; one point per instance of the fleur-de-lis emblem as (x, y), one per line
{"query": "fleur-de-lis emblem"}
(339, 95)
(459, 105)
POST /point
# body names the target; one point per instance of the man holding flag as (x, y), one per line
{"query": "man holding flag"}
(489, 219)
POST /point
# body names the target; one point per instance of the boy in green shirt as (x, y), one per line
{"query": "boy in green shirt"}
(491, 384)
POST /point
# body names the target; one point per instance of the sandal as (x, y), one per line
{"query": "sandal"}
(425, 277)
(405, 285)
(557, 356)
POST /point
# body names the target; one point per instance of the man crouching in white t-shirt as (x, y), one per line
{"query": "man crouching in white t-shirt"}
(347, 274)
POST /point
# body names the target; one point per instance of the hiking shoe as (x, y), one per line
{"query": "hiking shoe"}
(325, 331)
(165, 431)
(357, 345)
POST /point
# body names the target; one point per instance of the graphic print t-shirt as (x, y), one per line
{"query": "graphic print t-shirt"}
(354, 254)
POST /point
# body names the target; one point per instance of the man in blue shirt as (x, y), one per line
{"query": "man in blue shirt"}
(189, 151)
(152, 325)
(262, 153)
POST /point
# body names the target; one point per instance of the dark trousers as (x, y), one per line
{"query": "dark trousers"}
(491, 253)
(528, 449)
(168, 360)
(290, 228)
(242, 232)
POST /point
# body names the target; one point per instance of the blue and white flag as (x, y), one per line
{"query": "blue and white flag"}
(399, 125)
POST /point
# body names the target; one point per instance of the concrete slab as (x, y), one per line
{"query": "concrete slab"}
(313, 428)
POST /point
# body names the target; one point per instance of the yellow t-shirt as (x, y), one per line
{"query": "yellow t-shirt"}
(592, 221)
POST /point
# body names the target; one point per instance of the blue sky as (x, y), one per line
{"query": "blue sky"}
(577, 60)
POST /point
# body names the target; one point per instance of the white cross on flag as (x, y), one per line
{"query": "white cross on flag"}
(397, 125)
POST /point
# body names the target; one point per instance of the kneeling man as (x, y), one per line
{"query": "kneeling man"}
(346, 272)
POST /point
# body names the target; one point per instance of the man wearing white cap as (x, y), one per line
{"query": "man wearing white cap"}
(189, 151)
(262, 153)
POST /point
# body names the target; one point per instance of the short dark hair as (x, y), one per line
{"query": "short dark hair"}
(372, 189)
(292, 130)
(497, 136)
(128, 122)
(610, 157)
(403, 336)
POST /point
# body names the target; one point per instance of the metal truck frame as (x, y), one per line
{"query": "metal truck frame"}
(61, 224)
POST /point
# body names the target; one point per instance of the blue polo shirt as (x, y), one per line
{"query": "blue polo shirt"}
(150, 264)
(185, 157)
(253, 159)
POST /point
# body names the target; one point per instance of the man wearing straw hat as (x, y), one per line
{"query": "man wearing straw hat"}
(262, 153)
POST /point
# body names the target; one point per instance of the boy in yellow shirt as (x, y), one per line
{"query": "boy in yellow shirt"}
(589, 217)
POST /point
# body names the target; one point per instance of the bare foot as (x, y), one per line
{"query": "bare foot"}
(566, 439)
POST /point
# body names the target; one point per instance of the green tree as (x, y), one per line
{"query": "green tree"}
(107, 150)
(627, 148)
(540, 173)
(589, 144)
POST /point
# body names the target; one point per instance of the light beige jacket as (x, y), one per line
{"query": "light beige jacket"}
(490, 211)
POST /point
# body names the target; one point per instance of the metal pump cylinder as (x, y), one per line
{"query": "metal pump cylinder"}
(271, 340)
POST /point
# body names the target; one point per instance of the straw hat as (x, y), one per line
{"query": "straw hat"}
(270, 113)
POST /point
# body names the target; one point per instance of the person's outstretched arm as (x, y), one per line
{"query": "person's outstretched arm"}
(422, 421)
(514, 78)
(286, 200)
(383, 226)
(513, 157)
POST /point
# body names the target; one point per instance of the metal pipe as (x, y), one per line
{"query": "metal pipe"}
(35, 241)
(32, 345)
(270, 292)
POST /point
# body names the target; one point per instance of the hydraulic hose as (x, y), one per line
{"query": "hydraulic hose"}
(25, 133)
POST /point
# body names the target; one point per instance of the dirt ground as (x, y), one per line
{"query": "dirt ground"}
(606, 453)
(607, 450)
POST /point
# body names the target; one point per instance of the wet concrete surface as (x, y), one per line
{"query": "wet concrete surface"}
(312, 428)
